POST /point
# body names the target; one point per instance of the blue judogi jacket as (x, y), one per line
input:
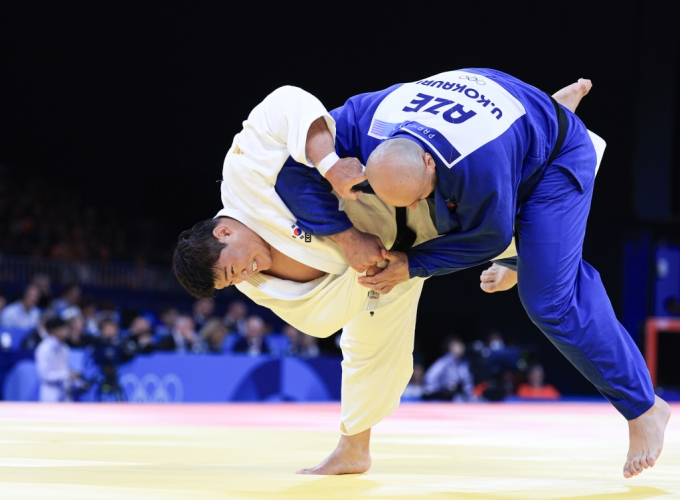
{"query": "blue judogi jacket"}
(490, 135)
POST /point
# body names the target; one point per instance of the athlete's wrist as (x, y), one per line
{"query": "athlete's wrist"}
(344, 236)
(327, 163)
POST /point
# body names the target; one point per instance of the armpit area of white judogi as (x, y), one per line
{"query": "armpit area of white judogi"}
(251, 451)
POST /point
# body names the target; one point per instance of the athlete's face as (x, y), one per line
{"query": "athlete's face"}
(245, 254)
(426, 184)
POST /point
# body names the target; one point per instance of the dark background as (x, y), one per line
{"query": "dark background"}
(135, 105)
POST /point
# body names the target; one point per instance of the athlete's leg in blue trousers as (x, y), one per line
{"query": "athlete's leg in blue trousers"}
(565, 298)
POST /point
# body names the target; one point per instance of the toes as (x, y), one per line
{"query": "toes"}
(638, 468)
(643, 463)
(626, 472)
(651, 461)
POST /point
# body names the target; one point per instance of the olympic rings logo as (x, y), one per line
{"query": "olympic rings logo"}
(478, 81)
(152, 389)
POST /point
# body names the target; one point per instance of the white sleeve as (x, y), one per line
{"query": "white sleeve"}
(278, 126)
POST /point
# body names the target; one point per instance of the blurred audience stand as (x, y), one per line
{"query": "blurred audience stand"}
(300, 344)
(183, 337)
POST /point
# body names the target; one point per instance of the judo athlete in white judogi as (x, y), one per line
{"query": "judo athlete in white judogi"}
(255, 244)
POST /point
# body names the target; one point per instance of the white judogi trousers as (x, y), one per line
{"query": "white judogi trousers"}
(377, 348)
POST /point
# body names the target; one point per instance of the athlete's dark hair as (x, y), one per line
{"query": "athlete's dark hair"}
(195, 259)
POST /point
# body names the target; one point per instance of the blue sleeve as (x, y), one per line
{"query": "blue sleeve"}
(309, 197)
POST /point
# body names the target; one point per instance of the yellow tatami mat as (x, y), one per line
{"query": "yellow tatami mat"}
(424, 451)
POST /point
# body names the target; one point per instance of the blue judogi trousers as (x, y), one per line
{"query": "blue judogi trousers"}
(564, 295)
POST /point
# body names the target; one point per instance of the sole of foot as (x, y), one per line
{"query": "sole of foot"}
(570, 97)
(646, 438)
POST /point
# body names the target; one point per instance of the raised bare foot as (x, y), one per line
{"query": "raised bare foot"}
(571, 96)
(497, 279)
(352, 456)
(646, 438)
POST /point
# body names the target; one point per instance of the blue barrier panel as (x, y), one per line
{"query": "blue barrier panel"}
(229, 377)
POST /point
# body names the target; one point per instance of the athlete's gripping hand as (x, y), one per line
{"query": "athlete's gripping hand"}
(345, 173)
(362, 250)
(396, 272)
(497, 279)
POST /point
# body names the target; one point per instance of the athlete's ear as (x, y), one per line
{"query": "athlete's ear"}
(430, 164)
(221, 231)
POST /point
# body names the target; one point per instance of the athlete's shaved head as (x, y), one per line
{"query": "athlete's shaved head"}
(400, 172)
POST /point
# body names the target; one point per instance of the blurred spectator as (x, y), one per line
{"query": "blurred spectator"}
(108, 310)
(51, 358)
(109, 330)
(42, 281)
(235, 319)
(414, 389)
(140, 336)
(213, 334)
(77, 337)
(70, 296)
(203, 309)
(108, 353)
(88, 309)
(182, 338)
(536, 388)
(3, 300)
(253, 342)
(23, 313)
(167, 316)
(33, 339)
(301, 345)
(495, 341)
(449, 377)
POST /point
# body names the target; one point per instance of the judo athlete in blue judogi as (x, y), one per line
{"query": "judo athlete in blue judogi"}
(494, 157)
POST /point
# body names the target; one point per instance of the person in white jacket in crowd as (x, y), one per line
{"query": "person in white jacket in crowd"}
(51, 359)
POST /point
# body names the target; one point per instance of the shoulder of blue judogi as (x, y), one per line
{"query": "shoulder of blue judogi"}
(353, 121)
